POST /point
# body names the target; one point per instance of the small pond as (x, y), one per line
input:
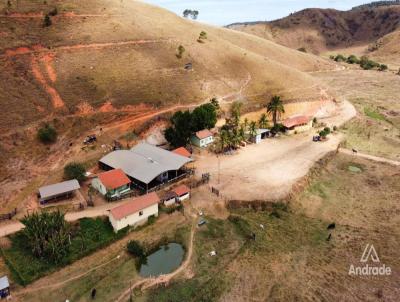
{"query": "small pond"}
(163, 261)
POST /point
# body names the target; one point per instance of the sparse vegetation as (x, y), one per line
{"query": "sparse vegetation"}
(47, 134)
(352, 59)
(181, 51)
(364, 62)
(302, 49)
(47, 21)
(75, 171)
(202, 37)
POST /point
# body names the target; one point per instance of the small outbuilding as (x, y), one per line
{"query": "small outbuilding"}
(182, 192)
(135, 212)
(202, 138)
(4, 287)
(183, 152)
(59, 191)
(260, 135)
(113, 183)
(169, 198)
(299, 123)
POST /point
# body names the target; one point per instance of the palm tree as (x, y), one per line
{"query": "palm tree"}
(253, 128)
(275, 107)
(263, 121)
(223, 140)
(245, 123)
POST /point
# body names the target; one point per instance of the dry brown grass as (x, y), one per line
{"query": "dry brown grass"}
(376, 129)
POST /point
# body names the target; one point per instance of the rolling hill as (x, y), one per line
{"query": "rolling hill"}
(319, 30)
(108, 55)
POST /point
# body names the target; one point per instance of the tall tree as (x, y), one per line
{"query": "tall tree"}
(253, 128)
(263, 121)
(275, 108)
(204, 117)
(178, 134)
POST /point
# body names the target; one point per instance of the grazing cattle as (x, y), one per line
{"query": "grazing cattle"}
(354, 151)
(331, 226)
(329, 237)
(93, 293)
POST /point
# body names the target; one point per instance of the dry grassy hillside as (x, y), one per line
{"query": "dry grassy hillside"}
(319, 30)
(387, 48)
(102, 55)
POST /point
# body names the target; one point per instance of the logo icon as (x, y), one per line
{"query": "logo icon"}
(371, 265)
(369, 252)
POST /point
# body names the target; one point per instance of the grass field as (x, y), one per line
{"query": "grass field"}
(376, 129)
(291, 258)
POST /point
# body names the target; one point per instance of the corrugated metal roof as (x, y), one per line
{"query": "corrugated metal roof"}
(4, 282)
(144, 162)
(135, 205)
(59, 188)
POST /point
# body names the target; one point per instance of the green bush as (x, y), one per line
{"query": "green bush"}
(74, 171)
(383, 67)
(135, 248)
(302, 49)
(340, 58)
(352, 59)
(327, 130)
(47, 134)
(181, 51)
(47, 21)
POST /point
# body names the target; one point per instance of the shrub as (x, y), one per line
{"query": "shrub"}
(47, 134)
(334, 128)
(181, 50)
(302, 49)
(278, 128)
(383, 67)
(353, 60)
(74, 171)
(53, 12)
(135, 248)
(327, 130)
(340, 58)
(323, 133)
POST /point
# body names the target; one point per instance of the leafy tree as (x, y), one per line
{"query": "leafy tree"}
(74, 171)
(275, 108)
(47, 235)
(191, 13)
(178, 134)
(135, 249)
(263, 121)
(47, 134)
(204, 117)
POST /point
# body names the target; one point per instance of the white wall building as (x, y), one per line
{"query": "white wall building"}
(135, 212)
(203, 138)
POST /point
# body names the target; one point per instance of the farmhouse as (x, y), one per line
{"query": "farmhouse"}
(147, 166)
(135, 212)
(113, 183)
(299, 123)
(4, 287)
(182, 192)
(203, 138)
(56, 192)
(169, 198)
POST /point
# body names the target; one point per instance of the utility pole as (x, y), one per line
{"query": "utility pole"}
(219, 168)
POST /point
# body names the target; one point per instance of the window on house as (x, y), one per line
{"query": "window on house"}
(140, 213)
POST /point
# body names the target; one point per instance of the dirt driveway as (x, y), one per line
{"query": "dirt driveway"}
(268, 171)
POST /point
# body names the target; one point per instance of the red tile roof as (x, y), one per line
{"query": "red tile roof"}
(135, 205)
(181, 190)
(296, 121)
(203, 134)
(114, 179)
(182, 151)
